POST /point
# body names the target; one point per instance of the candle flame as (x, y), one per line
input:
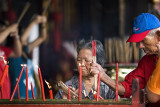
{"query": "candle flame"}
(23, 65)
(79, 64)
(48, 84)
(4, 59)
(94, 92)
(37, 66)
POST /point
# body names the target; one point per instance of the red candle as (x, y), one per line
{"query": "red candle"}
(69, 94)
(5, 72)
(18, 94)
(26, 83)
(98, 87)
(50, 94)
(80, 82)
(50, 89)
(32, 91)
(95, 96)
(116, 82)
(17, 84)
(100, 97)
(41, 81)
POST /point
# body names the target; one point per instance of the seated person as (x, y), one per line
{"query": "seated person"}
(153, 85)
(89, 69)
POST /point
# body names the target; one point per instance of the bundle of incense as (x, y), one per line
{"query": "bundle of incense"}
(63, 87)
(94, 59)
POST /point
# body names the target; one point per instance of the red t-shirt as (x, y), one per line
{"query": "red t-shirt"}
(6, 88)
(144, 70)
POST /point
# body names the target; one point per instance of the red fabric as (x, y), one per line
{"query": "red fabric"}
(6, 88)
(144, 70)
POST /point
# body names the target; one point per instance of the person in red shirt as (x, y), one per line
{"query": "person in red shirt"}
(7, 52)
(146, 32)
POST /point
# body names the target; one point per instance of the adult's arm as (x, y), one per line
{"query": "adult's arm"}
(4, 33)
(37, 20)
(125, 87)
(40, 39)
(96, 68)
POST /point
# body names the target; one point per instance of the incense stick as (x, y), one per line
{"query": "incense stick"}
(26, 7)
(46, 7)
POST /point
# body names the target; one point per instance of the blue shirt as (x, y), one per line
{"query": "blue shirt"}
(105, 91)
(15, 69)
